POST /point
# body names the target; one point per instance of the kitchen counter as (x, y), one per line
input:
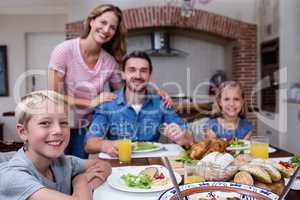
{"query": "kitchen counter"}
(193, 111)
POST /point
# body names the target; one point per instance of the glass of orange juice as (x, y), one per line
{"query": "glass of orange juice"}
(260, 147)
(191, 174)
(125, 147)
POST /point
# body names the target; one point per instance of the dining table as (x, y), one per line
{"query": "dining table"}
(142, 161)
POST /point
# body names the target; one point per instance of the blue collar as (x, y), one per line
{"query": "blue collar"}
(121, 97)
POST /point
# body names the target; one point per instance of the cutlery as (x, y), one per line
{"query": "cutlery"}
(289, 184)
(164, 148)
(173, 179)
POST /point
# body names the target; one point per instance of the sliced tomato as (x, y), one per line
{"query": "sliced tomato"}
(159, 176)
(285, 164)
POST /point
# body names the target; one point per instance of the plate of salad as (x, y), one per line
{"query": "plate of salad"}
(144, 147)
(237, 144)
(139, 179)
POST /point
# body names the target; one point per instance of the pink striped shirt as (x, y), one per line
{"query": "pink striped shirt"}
(81, 81)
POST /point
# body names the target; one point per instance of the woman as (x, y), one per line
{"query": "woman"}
(80, 67)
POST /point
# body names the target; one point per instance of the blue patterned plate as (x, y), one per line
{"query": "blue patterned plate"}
(219, 190)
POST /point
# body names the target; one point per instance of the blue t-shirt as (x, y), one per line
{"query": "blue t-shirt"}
(240, 132)
(115, 117)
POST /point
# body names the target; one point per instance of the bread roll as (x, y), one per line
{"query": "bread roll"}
(243, 159)
(244, 178)
(272, 171)
(257, 172)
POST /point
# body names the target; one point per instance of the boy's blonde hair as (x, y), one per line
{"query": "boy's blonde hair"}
(32, 101)
(217, 109)
(117, 46)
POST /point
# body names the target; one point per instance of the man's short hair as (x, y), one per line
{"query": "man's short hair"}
(32, 101)
(137, 54)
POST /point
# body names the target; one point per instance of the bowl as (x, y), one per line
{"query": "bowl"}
(194, 191)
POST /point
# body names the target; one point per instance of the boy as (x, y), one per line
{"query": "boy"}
(39, 170)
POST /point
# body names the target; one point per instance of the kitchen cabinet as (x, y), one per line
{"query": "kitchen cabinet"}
(268, 130)
(293, 128)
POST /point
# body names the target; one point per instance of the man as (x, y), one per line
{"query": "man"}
(135, 111)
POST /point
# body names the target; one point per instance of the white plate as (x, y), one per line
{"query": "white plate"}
(247, 146)
(296, 184)
(115, 181)
(159, 147)
(272, 150)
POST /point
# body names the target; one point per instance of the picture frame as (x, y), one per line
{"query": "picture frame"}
(3, 71)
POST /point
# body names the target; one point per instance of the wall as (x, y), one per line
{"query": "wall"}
(289, 60)
(282, 17)
(12, 34)
(289, 38)
(185, 74)
(269, 19)
(244, 10)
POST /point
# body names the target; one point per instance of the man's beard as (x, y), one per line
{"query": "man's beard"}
(139, 89)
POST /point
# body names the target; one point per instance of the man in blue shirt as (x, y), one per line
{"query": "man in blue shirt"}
(135, 111)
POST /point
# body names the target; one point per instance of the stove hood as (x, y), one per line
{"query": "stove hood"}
(160, 45)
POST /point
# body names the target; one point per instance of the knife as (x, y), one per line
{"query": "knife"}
(289, 184)
(173, 179)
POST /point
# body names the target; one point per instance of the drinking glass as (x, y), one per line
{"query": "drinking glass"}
(260, 146)
(125, 147)
(191, 174)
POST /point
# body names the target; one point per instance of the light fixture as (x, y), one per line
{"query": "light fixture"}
(160, 45)
(187, 8)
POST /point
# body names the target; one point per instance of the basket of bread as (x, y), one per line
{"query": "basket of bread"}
(246, 169)
(217, 166)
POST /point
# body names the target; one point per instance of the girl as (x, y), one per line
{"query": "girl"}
(230, 110)
(79, 69)
(39, 170)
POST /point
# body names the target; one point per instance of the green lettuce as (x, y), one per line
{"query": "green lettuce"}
(143, 181)
(144, 146)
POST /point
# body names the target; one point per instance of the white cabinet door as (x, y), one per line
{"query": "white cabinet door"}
(264, 129)
(293, 128)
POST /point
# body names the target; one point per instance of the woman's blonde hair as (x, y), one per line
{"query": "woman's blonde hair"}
(32, 101)
(217, 109)
(117, 45)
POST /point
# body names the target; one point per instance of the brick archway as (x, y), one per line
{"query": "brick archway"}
(244, 54)
(244, 35)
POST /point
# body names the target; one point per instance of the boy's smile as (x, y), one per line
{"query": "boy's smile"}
(47, 131)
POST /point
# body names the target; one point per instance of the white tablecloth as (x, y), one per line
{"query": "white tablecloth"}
(169, 150)
(107, 192)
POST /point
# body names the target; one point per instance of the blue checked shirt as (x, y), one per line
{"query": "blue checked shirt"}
(117, 117)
